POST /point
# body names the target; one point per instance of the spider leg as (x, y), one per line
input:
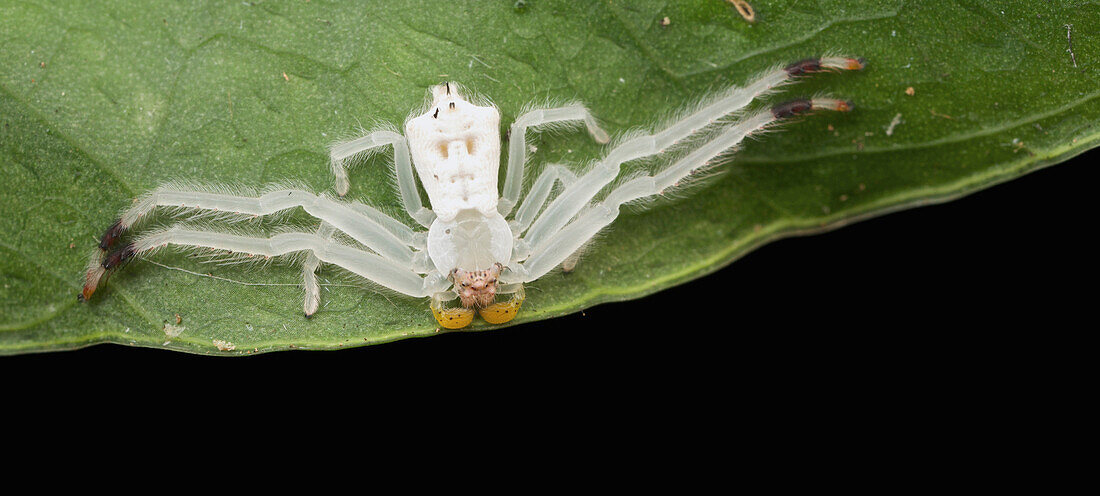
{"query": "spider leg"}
(402, 162)
(573, 199)
(372, 228)
(536, 197)
(388, 273)
(559, 246)
(309, 273)
(517, 145)
(570, 262)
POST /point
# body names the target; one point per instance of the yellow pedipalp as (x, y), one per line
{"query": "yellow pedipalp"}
(453, 318)
(499, 313)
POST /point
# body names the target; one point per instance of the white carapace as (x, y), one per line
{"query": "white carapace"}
(455, 147)
(483, 242)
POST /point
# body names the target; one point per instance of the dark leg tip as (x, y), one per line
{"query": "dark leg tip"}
(110, 235)
(803, 67)
(119, 257)
(308, 315)
(792, 108)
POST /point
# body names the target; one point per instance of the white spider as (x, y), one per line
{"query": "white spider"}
(475, 249)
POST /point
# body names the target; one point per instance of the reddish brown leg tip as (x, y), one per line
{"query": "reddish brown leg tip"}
(119, 257)
(92, 279)
(111, 235)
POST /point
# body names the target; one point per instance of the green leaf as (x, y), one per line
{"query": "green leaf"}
(102, 101)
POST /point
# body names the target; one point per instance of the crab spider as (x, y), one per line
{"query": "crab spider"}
(482, 244)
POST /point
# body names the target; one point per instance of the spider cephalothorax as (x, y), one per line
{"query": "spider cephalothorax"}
(479, 242)
(476, 288)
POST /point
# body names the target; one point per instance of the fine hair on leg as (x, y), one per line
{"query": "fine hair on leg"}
(387, 273)
(559, 246)
(309, 274)
(566, 206)
(517, 144)
(368, 226)
(360, 148)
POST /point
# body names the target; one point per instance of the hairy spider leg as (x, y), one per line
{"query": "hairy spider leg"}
(366, 225)
(309, 273)
(538, 194)
(402, 162)
(391, 274)
(559, 246)
(535, 200)
(517, 145)
(563, 208)
(375, 230)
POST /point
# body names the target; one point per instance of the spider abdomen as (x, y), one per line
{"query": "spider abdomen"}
(472, 241)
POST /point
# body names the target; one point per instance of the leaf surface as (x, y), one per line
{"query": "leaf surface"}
(103, 101)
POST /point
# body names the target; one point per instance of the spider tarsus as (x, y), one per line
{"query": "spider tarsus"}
(308, 315)
(812, 65)
(111, 235)
(805, 105)
(119, 257)
(436, 114)
(91, 281)
(792, 108)
(804, 66)
(448, 85)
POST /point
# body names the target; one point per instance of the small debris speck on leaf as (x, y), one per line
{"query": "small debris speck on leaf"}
(744, 9)
(225, 345)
